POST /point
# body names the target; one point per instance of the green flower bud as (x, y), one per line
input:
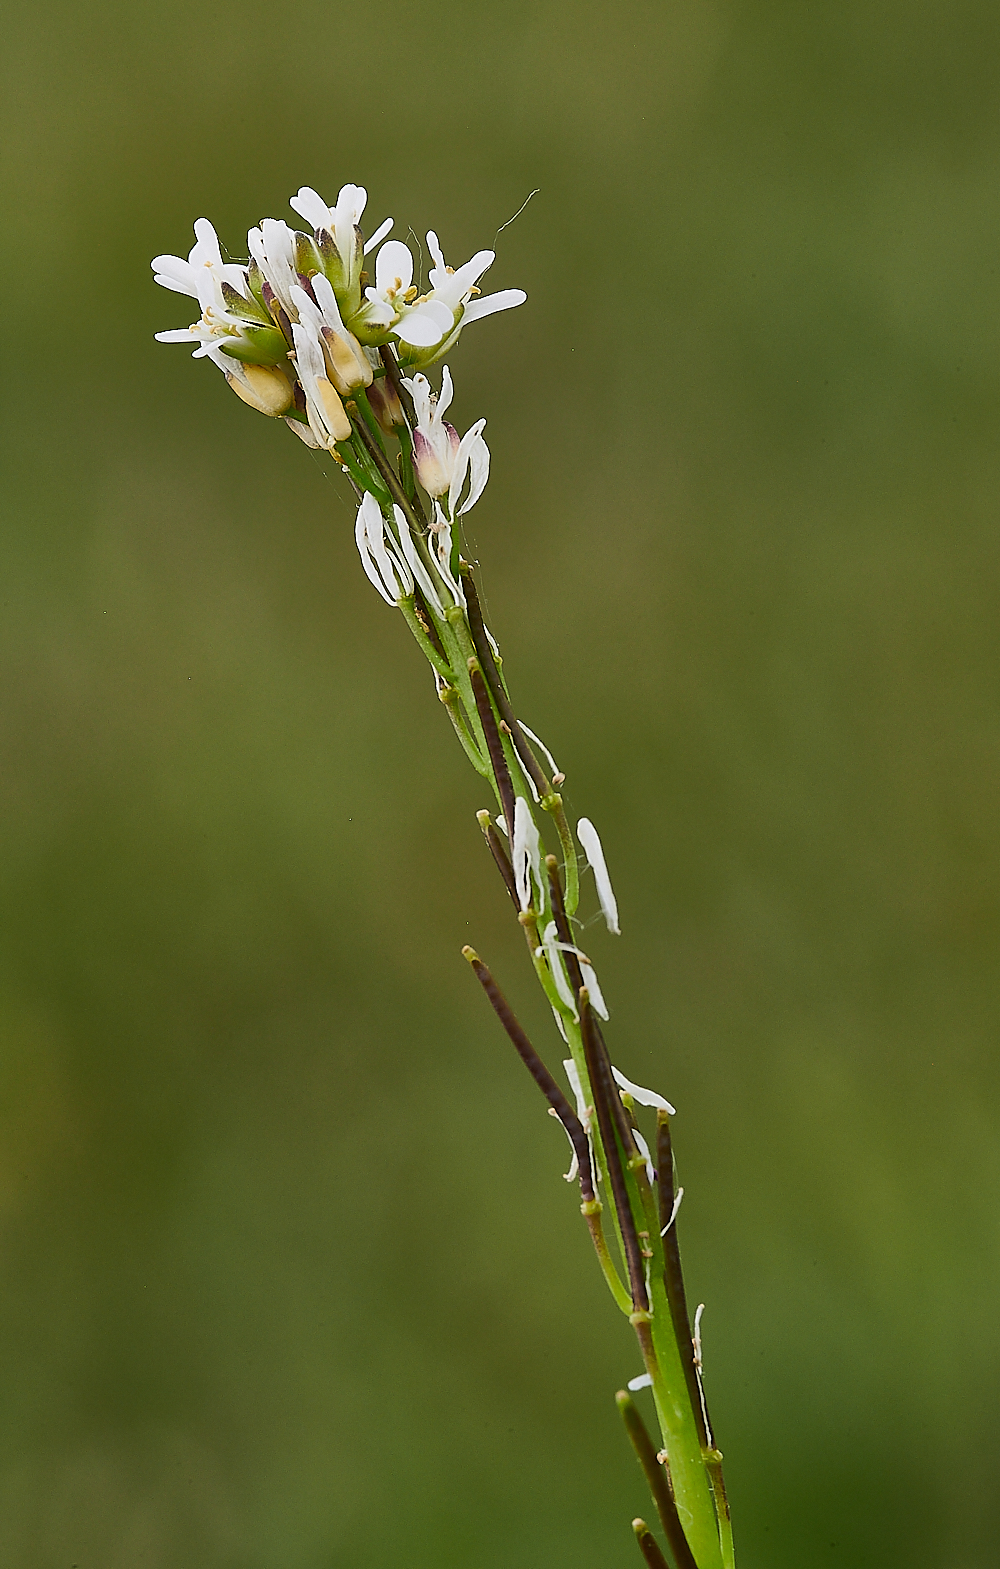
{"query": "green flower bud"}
(257, 346)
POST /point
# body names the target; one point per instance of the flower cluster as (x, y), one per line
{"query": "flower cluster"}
(297, 329)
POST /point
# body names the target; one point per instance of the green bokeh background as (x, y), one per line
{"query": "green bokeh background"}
(290, 1279)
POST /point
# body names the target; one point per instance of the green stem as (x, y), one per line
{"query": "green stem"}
(412, 620)
(592, 1214)
(450, 699)
(361, 471)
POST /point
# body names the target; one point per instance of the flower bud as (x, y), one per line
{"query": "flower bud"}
(265, 389)
(348, 366)
(385, 404)
(307, 256)
(434, 459)
(336, 416)
(257, 346)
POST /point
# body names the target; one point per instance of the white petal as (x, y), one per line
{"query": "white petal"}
(376, 529)
(361, 534)
(327, 301)
(557, 774)
(644, 1152)
(380, 234)
(446, 394)
(644, 1381)
(574, 1167)
(419, 389)
(596, 995)
(393, 267)
(591, 842)
(414, 562)
(378, 312)
(478, 463)
(351, 203)
(644, 1097)
(303, 432)
(489, 304)
(441, 539)
(673, 1211)
(576, 1085)
(311, 206)
(171, 272)
(434, 246)
(307, 308)
(526, 857)
(558, 973)
(178, 335)
(464, 278)
(421, 327)
(207, 247)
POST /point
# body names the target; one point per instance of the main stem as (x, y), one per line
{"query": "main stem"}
(451, 635)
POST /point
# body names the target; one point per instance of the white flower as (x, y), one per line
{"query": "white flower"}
(455, 289)
(205, 277)
(392, 301)
(347, 363)
(435, 442)
(590, 840)
(328, 420)
(380, 554)
(444, 462)
(202, 275)
(428, 326)
(644, 1097)
(526, 856)
(340, 221)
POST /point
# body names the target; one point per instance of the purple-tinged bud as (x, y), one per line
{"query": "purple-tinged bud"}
(434, 459)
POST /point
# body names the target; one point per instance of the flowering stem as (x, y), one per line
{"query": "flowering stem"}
(416, 565)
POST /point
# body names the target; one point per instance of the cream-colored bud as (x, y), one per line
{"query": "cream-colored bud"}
(336, 418)
(349, 367)
(263, 387)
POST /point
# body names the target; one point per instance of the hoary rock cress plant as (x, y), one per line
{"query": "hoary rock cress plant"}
(308, 332)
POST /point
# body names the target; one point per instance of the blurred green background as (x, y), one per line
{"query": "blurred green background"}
(290, 1279)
